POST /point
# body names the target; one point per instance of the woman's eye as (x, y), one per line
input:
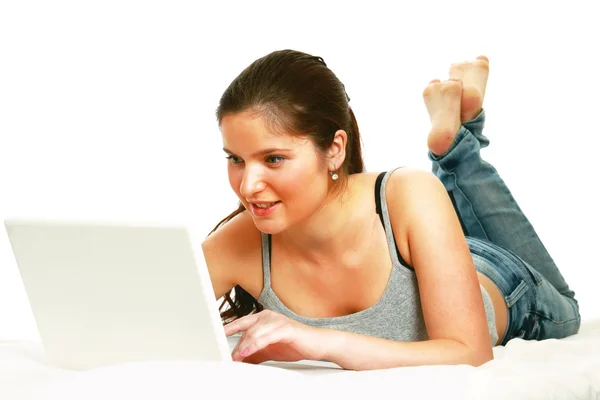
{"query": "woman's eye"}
(234, 159)
(274, 159)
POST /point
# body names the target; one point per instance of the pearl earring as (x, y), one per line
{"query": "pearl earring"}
(334, 175)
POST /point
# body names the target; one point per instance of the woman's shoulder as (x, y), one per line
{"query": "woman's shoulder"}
(409, 187)
(235, 238)
(406, 188)
(401, 179)
(231, 250)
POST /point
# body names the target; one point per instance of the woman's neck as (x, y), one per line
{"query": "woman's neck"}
(334, 234)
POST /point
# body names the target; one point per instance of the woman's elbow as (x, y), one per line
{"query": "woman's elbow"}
(480, 357)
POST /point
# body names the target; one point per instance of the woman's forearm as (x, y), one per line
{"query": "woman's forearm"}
(360, 352)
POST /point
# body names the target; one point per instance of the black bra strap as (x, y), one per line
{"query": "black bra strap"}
(378, 203)
(379, 212)
(378, 196)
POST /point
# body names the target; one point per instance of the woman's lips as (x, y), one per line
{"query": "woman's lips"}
(262, 212)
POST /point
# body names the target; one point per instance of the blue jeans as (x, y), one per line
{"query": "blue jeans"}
(503, 243)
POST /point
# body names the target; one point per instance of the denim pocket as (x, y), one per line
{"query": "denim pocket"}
(492, 265)
(516, 294)
(557, 316)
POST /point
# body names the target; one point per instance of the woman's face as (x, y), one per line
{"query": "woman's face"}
(280, 178)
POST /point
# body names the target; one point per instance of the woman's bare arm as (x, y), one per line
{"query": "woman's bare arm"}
(449, 289)
(232, 255)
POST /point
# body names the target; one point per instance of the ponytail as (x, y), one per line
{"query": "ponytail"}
(355, 163)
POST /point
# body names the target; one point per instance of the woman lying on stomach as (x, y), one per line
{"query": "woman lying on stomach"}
(371, 270)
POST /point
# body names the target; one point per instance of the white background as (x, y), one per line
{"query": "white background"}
(107, 107)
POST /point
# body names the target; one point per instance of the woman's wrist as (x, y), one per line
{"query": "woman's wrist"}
(328, 345)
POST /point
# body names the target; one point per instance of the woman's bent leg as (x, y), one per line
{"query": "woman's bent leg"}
(486, 207)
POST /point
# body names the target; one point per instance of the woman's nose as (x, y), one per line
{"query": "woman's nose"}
(252, 182)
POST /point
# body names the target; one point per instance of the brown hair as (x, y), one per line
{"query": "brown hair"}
(297, 94)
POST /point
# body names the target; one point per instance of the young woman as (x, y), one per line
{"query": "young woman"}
(371, 270)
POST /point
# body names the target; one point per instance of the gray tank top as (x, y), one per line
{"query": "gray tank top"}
(396, 316)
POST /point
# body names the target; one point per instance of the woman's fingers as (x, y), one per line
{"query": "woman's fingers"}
(252, 344)
(235, 349)
(260, 331)
(240, 325)
(251, 325)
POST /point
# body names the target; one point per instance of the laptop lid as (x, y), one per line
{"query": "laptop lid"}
(106, 293)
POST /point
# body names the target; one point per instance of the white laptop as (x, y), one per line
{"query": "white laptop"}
(108, 293)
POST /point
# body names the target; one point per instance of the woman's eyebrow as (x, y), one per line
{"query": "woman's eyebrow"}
(261, 152)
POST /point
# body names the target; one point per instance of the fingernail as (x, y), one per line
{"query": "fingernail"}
(244, 352)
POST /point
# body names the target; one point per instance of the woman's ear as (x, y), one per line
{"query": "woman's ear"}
(337, 150)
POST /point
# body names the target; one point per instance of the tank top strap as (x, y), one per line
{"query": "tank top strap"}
(266, 259)
(381, 208)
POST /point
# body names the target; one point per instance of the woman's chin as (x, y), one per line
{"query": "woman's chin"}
(269, 227)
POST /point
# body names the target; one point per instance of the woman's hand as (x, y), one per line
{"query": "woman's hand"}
(270, 336)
